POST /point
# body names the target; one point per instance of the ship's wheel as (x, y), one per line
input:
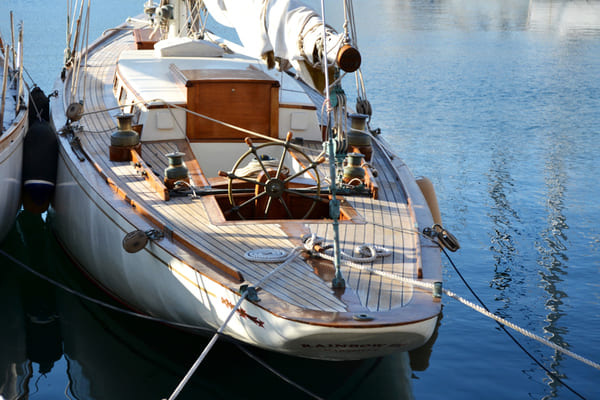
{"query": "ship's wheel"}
(275, 194)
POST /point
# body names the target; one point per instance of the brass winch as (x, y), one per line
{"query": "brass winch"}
(176, 171)
(359, 140)
(353, 170)
(124, 139)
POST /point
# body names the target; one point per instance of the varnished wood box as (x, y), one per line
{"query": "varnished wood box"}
(243, 98)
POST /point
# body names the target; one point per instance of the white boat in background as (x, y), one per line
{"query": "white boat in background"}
(564, 17)
(13, 127)
(28, 145)
(199, 182)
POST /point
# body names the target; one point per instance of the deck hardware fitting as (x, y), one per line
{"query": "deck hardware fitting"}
(251, 295)
(362, 317)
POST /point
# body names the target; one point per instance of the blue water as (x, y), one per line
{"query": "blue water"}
(498, 103)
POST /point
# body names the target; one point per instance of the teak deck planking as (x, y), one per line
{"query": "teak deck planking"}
(299, 285)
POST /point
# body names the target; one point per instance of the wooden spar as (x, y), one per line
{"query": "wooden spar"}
(20, 55)
(12, 35)
(4, 81)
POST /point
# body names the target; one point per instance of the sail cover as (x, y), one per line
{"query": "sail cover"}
(287, 29)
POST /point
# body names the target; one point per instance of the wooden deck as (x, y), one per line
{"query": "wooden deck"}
(386, 221)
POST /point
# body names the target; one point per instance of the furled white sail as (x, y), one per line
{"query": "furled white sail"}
(281, 29)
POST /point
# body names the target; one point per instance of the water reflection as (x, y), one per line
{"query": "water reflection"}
(88, 352)
(14, 366)
(461, 15)
(579, 17)
(561, 16)
(505, 223)
(553, 259)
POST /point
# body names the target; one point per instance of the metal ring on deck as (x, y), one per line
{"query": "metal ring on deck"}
(362, 317)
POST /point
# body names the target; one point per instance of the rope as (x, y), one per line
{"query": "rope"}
(520, 330)
(430, 285)
(253, 168)
(368, 253)
(100, 302)
(276, 373)
(152, 319)
(215, 337)
(552, 374)
(172, 105)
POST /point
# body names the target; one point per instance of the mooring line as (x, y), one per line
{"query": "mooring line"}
(215, 337)
(206, 350)
(277, 373)
(482, 310)
(101, 303)
(503, 327)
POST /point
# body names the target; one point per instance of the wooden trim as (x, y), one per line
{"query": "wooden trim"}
(179, 77)
(146, 172)
(370, 182)
(193, 77)
(162, 227)
(14, 130)
(125, 85)
(216, 216)
(274, 113)
(144, 38)
(298, 106)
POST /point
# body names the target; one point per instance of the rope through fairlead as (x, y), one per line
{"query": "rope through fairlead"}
(130, 313)
(431, 286)
(215, 337)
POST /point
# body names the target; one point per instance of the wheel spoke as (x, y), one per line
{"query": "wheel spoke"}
(267, 207)
(258, 196)
(262, 166)
(249, 180)
(289, 213)
(275, 186)
(297, 174)
(281, 159)
(306, 196)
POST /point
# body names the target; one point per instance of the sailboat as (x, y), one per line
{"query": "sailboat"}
(13, 127)
(229, 187)
(28, 145)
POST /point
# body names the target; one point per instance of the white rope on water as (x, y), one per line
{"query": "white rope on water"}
(430, 285)
(521, 330)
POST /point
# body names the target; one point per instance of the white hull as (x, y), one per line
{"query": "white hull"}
(11, 160)
(161, 284)
(192, 276)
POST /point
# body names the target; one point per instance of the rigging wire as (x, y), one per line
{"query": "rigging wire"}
(460, 275)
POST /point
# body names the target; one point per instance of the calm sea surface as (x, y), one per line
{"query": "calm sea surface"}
(497, 102)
